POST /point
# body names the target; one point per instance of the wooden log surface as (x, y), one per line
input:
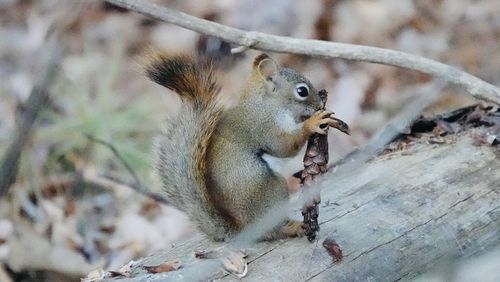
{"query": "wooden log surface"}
(396, 218)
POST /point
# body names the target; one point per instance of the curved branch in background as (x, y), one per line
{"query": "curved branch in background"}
(478, 88)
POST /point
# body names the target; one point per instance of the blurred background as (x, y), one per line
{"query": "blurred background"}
(72, 209)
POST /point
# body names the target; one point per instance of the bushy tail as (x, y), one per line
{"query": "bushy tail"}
(181, 148)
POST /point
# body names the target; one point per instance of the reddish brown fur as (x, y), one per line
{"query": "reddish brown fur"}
(192, 78)
(195, 82)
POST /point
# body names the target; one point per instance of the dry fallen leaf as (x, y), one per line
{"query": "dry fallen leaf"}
(124, 270)
(94, 275)
(113, 273)
(235, 263)
(333, 249)
(164, 267)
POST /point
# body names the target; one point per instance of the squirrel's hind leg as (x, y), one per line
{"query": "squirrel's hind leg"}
(291, 228)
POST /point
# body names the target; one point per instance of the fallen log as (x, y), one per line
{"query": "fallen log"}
(430, 197)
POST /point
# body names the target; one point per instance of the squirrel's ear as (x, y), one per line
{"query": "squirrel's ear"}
(265, 66)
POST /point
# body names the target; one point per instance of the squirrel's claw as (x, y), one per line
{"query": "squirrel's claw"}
(318, 122)
(321, 120)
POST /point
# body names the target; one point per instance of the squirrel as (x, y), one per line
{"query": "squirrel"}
(210, 158)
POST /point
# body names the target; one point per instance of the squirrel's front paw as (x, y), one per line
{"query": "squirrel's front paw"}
(319, 122)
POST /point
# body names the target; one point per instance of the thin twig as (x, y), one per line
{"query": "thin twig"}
(257, 40)
(137, 185)
(117, 154)
(37, 99)
(90, 175)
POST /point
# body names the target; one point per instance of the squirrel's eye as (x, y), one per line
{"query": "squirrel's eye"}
(301, 91)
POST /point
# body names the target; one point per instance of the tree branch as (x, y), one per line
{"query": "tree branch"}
(117, 154)
(136, 185)
(256, 40)
(39, 94)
